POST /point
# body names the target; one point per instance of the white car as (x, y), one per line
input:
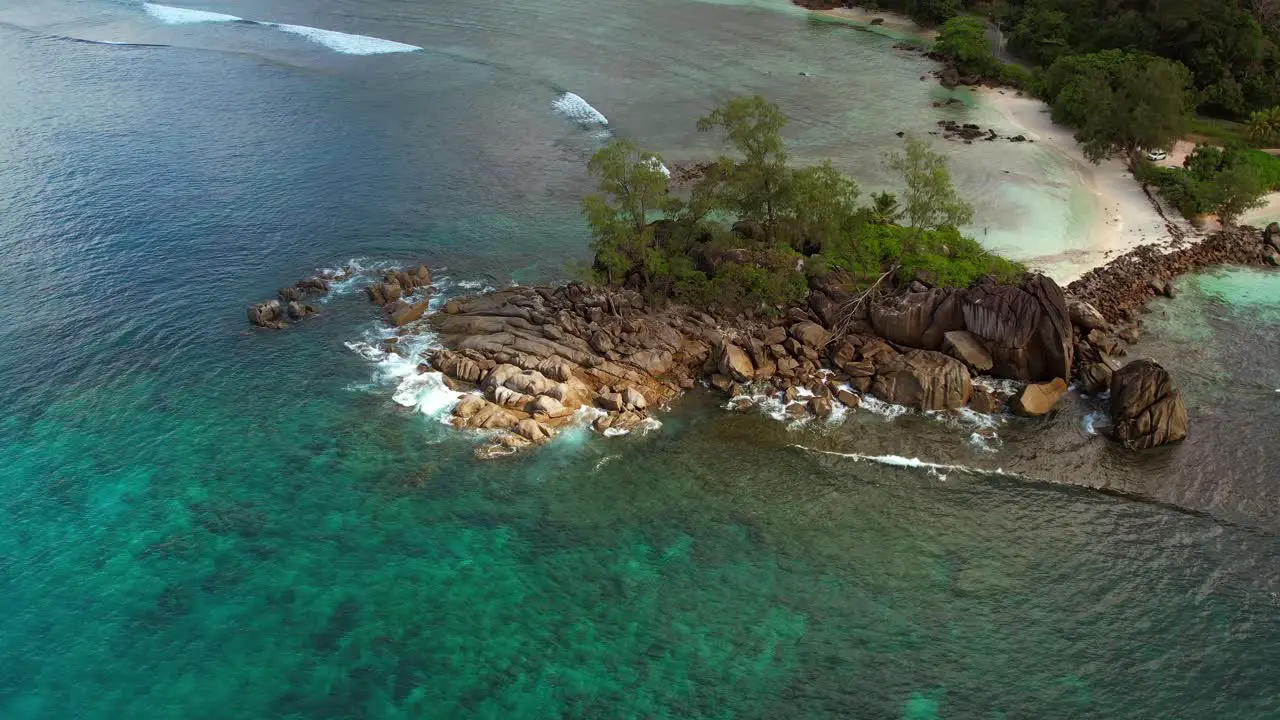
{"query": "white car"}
(1157, 155)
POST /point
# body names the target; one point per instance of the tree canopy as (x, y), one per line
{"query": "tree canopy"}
(1231, 47)
(1119, 102)
(751, 231)
(1226, 181)
(963, 40)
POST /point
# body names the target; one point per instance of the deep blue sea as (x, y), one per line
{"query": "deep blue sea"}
(202, 521)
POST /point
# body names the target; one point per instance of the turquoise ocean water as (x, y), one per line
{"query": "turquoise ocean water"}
(201, 521)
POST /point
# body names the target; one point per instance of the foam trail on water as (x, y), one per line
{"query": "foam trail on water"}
(182, 16)
(906, 462)
(575, 108)
(346, 43)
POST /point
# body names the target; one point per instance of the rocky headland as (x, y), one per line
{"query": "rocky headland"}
(534, 359)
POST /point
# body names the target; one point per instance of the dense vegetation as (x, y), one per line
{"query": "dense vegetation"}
(1119, 102)
(1230, 47)
(1226, 182)
(754, 229)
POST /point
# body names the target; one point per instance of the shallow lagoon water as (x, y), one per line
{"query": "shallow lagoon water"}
(204, 521)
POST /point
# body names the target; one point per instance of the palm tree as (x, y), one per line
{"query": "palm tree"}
(1264, 126)
(884, 208)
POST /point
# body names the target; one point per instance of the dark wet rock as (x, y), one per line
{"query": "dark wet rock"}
(848, 399)
(1271, 235)
(1146, 408)
(984, 401)
(820, 406)
(266, 315)
(1095, 377)
(397, 284)
(298, 310)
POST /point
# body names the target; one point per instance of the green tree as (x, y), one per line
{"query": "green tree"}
(884, 208)
(963, 40)
(930, 198)
(632, 185)
(1237, 190)
(1120, 102)
(1042, 34)
(1264, 126)
(755, 187)
(823, 206)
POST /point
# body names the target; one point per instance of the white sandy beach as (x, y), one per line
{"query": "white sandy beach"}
(1125, 216)
(892, 22)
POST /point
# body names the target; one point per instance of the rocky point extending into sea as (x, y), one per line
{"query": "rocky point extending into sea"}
(531, 360)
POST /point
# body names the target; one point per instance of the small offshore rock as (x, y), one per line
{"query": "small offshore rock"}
(1146, 409)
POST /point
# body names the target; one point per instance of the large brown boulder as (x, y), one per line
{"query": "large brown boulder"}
(1271, 235)
(1146, 408)
(1085, 315)
(1026, 328)
(923, 379)
(1038, 399)
(458, 367)
(968, 349)
(402, 313)
(917, 319)
(811, 334)
(735, 363)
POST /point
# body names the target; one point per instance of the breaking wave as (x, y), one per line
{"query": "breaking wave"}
(346, 43)
(580, 111)
(182, 16)
(939, 469)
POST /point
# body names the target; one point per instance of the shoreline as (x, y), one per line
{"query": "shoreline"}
(896, 24)
(1125, 217)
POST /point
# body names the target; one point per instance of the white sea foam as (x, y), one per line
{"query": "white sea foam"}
(575, 108)
(645, 427)
(983, 427)
(914, 463)
(346, 43)
(182, 16)
(1094, 420)
(653, 163)
(887, 410)
(424, 392)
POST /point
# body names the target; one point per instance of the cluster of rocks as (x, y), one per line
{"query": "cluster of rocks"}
(533, 359)
(289, 301)
(1110, 300)
(968, 132)
(396, 291)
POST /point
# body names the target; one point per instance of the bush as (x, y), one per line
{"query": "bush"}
(963, 41)
(1267, 165)
(1016, 76)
